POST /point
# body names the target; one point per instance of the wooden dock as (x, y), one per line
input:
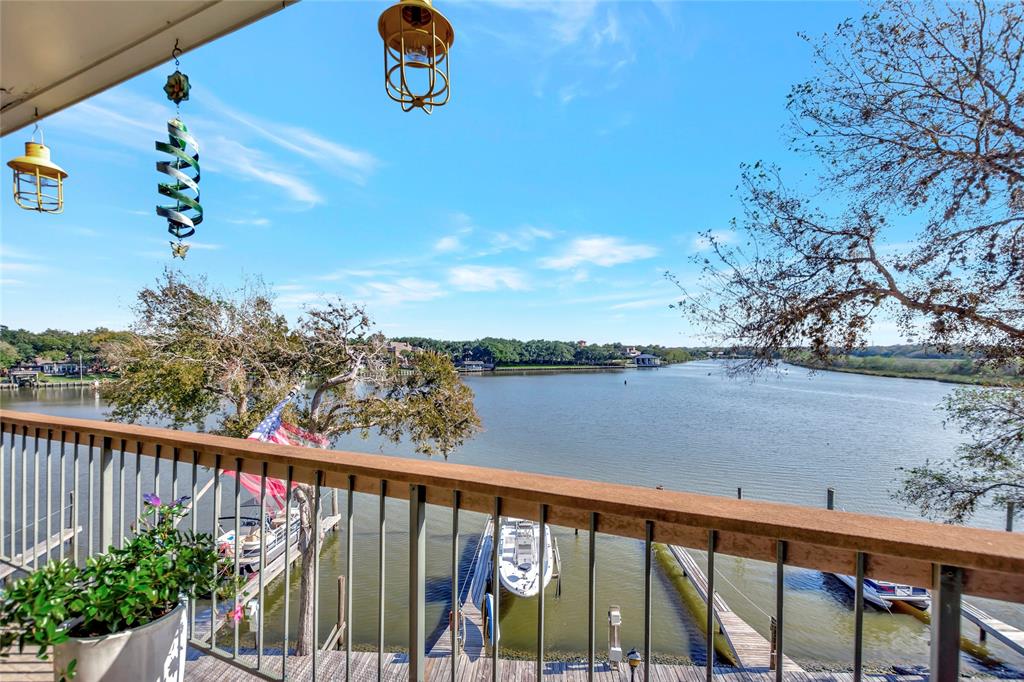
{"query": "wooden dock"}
(1005, 633)
(752, 651)
(8, 568)
(470, 597)
(251, 589)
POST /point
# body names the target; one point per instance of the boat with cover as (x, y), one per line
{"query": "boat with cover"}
(884, 594)
(252, 534)
(519, 566)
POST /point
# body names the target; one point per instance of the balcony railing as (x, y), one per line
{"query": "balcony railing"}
(60, 474)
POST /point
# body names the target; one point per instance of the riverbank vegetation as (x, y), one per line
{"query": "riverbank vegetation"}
(915, 219)
(540, 353)
(949, 370)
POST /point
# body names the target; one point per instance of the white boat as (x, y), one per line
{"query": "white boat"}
(251, 535)
(883, 594)
(519, 568)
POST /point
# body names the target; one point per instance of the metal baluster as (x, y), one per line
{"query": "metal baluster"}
(858, 620)
(60, 498)
(24, 495)
(287, 566)
(14, 458)
(780, 575)
(495, 589)
(35, 499)
(456, 597)
(648, 541)
(138, 479)
(120, 494)
(316, 570)
(175, 456)
(238, 547)
(947, 589)
(106, 466)
(380, 584)
(264, 540)
(417, 581)
(216, 514)
(49, 490)
(592, 597)
(712, 541)
(89, 509)
(76, 495)
(156, 470)
(193, 512)
(349, 527)
(542, 548)
(3, 487)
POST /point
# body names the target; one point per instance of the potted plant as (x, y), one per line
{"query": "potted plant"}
(122, 616)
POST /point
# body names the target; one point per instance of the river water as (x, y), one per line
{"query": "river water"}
(784, 438)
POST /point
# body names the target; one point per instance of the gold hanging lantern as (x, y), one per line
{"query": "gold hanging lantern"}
(38, 181)
(417, 39)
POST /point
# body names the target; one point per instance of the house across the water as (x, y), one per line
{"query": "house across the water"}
(647, 360)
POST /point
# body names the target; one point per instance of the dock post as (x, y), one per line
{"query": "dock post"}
(831, 498)
(739, 493)
(772, 631)
(1009, 516)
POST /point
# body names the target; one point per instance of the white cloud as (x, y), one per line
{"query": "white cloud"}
(347, 161)
(8, 266)
(359, 273)
(521, 239)
(254, 164)
(602, 251)
(447, 244)
(702, 243)
(396, 292)
(257, 222)
(205, 246)
(642, 303)
(485, 278)
(10, 282)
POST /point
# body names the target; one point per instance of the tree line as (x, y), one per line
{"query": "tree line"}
(21, 345)
(511, 352)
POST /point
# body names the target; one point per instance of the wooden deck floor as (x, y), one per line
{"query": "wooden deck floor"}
(331, 666)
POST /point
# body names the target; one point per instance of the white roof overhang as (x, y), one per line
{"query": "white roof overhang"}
(54, 53)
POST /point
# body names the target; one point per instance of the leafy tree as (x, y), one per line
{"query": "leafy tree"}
(916, 112)
(988, 469)
(199, 355)
(9, 355)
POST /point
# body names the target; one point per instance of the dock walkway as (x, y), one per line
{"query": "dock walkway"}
(753, 652)
(1004, 632)
(470, 597)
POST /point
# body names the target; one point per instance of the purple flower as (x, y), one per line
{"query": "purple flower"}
(181, 500)
(152, 499)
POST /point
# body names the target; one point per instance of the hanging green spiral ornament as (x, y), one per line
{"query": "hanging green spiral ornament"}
(183, 169)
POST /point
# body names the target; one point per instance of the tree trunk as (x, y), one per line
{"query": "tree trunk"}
(305, 644)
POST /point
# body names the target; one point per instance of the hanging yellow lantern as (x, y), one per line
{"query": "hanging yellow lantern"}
(417, 39)
(38, 181)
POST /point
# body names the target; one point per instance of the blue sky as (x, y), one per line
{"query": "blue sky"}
(585, 146)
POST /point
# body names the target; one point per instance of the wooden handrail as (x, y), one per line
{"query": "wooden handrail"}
(897, 549)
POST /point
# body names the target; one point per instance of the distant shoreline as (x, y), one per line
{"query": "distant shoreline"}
(966, 380)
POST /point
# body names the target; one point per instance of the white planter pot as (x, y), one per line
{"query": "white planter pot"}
(154, 652)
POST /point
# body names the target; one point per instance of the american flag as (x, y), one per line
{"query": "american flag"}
(273, 429)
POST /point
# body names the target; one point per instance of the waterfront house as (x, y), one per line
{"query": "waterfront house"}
(647, 360)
